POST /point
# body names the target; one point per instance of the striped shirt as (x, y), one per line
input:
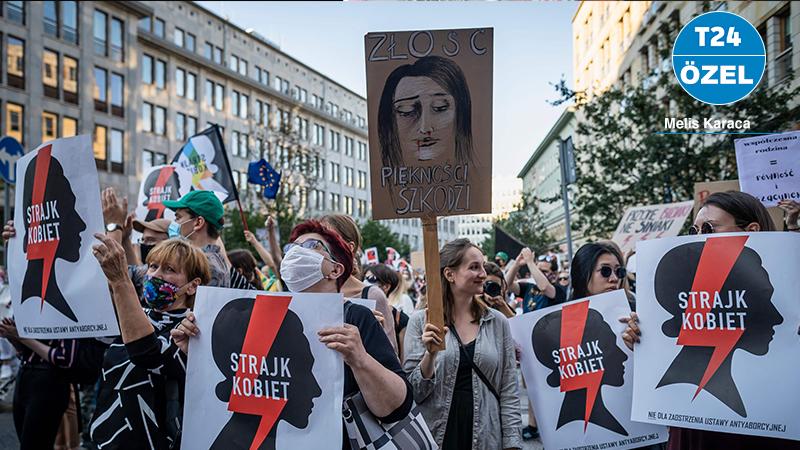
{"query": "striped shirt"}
(62, 353)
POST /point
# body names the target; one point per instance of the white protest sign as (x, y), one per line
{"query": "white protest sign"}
(57, 287)
(257, 375)
(161, 183)
(719, 317)
(365, 302)
(769, 167)
(579, 374)
(640, 223)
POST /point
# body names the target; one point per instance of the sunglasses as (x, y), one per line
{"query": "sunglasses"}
(606, 272)
(371, 279)
(705, 228)
(311, 244)
(567, 278)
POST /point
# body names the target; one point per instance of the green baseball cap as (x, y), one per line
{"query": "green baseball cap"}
(501, 255)
(203, 203)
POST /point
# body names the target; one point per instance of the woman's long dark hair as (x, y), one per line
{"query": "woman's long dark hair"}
(452, 255)
(448, 75)
(580, 272)
(384, 275)
(744, 208)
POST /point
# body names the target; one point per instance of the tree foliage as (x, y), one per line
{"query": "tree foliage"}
(526, 223)
(375, 234)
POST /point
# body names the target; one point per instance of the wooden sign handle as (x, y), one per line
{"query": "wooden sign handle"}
(430, 242)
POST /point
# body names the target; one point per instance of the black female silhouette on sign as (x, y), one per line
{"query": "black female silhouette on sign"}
(260, 342)
(52, 229)
(743, 317)
(580, 348)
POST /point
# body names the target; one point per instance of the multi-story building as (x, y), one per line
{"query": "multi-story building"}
(141, 77)
(506, 197)
(410, 230)
(629, 43)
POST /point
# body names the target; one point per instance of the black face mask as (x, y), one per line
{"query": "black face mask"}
(145, 250)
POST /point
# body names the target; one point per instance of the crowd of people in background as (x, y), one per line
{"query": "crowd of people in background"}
(93, 392)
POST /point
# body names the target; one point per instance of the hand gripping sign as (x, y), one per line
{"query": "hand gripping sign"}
(257, 375)
(57, 287)
(719, 318)
(578, 374)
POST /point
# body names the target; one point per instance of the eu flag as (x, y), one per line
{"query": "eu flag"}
(261, 173)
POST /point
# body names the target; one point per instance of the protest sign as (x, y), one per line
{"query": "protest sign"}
(640, 223)
(257, 375)
(418, 260)
(158, 184)
(371, 255)
(365, 302)
(719, 317)
(204, 157)
(579, 376)
(57, 287)
(429, 103)
(769, 167)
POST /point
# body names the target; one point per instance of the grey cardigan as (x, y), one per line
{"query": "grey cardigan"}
(494, 355)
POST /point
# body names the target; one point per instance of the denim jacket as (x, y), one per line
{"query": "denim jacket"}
(494, 355)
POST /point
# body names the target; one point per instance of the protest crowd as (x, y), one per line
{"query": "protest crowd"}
(93, 391)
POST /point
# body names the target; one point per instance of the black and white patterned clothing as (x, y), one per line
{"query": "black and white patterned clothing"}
(238, 281)
(141, 385)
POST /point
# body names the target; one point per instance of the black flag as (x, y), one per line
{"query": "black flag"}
(504, 242)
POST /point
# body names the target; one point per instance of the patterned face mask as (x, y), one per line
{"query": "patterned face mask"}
(159, 294)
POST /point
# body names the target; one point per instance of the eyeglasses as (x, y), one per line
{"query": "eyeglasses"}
(566, 278)
(705, 228)
(311, 244)
(606, 272)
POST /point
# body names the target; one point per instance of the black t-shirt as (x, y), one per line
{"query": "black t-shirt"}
(377, 345)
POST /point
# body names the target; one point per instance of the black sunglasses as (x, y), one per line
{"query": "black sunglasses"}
(705, 228)
(566, 278)
(371, 279)
(606, 272)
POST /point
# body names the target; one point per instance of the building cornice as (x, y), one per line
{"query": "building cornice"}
(138, 9)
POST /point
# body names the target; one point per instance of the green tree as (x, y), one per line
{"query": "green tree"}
(526, 223)
(233, 232)
(375, 234)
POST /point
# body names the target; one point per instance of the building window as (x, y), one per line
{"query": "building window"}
(783, 61)
(191, 88)
(100, 32)
(348, 176)
(158, 28)
(70, 77)
(117, 94)
(190, 42)
(50, 73)
(99, 146)
(244, 101)
(15, 11)
(219, 97)
(362, 208)
(362, 151)
(233, 63)
(180, 80)
(333, 142)
(69, 127)
(69, 21)
(15, 62)
(160, 121)
(335, 168)
(209, 93)
(217, 55)
(15, 126)
(147, 117)
(242, 67)
(319, 135)
(348, 146)
(348, 205)
(146, 24)
(235, 143)
(180, 127)
(161, 74)
(304, 129)
(50, 18)
(179, 37)
(117, 39)
(147, 69)
(100, 89)
(362, 179)
(151, 158)
(208, 50)
(117, 151)
(49, 126)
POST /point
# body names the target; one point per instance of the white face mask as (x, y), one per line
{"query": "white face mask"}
(301, 268)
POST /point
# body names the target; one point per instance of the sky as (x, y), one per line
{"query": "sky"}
(532, 45)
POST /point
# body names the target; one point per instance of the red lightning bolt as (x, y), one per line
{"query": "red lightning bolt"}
(573, 321)
(163, 176)
(718, 257)
(266, 319)
(44, 250)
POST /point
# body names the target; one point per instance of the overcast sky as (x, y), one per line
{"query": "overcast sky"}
(532, 44)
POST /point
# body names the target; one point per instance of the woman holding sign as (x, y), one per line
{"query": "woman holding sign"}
(140, 398)
(463, 390)
(722, 212)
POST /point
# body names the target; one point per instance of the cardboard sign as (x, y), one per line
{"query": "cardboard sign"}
(158, 184)
(57, 287)
(257, 375)
(719, 317)
(769, 166)
(418, 260)
(579, 376)
(641, 223)
(429, 99)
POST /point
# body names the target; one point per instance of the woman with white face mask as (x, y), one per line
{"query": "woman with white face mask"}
(318, 260)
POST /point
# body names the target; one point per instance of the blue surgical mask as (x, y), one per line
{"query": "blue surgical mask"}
(174, 229)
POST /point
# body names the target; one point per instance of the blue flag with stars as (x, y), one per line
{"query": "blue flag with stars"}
(261, 173)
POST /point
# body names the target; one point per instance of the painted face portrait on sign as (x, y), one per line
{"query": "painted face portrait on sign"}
(720, 299)
(581, 350)
(266, 385)
(160, 185)
(52, 229)
(425, 114)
